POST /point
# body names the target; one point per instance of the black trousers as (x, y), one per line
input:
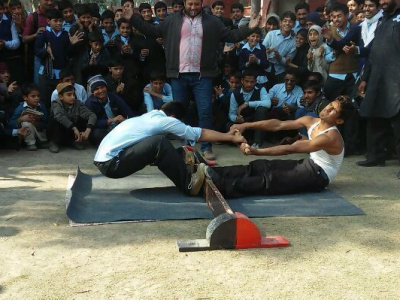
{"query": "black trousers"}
(61, 135)
(271, 177)
(156, 150)
(379, 131)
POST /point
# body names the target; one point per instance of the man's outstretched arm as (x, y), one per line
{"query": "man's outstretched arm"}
(275, 125)
(208, 135)
(321, 142)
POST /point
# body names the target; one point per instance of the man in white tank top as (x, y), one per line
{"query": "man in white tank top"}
(268, 177)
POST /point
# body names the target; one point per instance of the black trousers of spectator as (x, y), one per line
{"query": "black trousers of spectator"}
(379, 131)
(97, 135)
(61, 135)
(156, 150)
(253, 115)
(271, 177)
(350, 129)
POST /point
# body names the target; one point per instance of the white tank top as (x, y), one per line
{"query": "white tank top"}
(329, 163)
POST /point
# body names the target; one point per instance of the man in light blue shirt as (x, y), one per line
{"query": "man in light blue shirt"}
(285, 97)
(280, 44)
(301, 10)
(142, 141)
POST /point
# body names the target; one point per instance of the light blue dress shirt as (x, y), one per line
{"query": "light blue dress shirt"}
(134, 130)
(285, 45)
(150, 100)
(291, 98)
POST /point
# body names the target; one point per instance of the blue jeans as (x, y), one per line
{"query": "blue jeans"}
(201, 87)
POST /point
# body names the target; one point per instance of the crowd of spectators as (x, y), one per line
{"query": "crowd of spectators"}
(69, 73)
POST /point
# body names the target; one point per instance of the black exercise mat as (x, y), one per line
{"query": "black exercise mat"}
(97, 199)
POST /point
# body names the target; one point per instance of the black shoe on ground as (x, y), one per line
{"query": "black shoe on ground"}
(78, 146)
(371, 163)
(53, 147)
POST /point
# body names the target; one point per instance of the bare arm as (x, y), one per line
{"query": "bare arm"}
(322, 142)
(208, 135)
(276, 125)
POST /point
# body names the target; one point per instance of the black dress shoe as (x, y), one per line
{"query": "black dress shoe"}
(371, 163)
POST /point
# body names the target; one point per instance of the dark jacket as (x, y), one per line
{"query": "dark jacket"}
(69, 116)
(118, 106)
(382, 97)
(214, 31)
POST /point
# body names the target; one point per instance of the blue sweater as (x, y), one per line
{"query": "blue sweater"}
(13, 122)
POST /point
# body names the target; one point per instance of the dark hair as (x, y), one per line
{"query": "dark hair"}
(157, 75)
(95, 36)
(28, 88)
(177, 2)
(302, 6)
(236, 75)
(160, 4)
(53, 13)
(107, 14)
(292, 71)
(124, 1)
(118, 10)
(174, 108)
(237, 5)
(64, 4)
(218, 3)
(359, 2)
(303, 32)
(207, 10)
(320, 9)
(144, 6)
(312, 84)
(328, 6)
(122, 20)
(318, 75)
(337, 6)
(256, 30)
(375, 1)
(272, 20)
(66, 72)
(94, 7)
(83, 9)
(12, 3)
(69, 88)
(347, 109)
(115, 62)
(289, 14)
(250, 73)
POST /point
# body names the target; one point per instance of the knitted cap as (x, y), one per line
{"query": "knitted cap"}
(95, 82)
(62, 86)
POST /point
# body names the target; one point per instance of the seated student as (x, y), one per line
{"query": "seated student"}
(109, 29)
(157, 92)
(120, 83)
(67, 9)
(31, 113)
(53, 47)
(109, 108)
(253, 56)
(320, 54)
(67, 76)
(285, 97)
(300, 61)
(250, 103)
(9, 43)
(70, 121)
(313, 102)
(160, 10)
(142, 141)
(95, 59)
(10, 93)
(222, 101)
(118, 15)
(274, 177)
(271, 23)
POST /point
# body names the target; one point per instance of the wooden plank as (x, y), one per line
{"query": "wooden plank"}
(214, 199)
